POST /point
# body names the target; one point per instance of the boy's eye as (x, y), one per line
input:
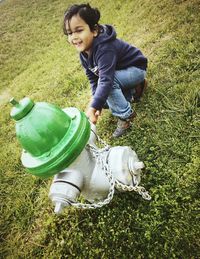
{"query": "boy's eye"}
(76, 31)
(80, 30)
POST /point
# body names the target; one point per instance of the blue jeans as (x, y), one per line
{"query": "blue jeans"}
(123, 89)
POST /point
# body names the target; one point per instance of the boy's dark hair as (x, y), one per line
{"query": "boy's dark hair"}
(90, 15)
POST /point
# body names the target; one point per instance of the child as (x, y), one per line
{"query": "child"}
(115, 69)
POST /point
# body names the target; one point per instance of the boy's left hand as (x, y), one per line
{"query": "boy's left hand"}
(93, 114)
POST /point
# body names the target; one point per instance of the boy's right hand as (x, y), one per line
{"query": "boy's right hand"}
(93, 114)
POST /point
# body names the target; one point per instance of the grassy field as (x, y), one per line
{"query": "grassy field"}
(36, 61)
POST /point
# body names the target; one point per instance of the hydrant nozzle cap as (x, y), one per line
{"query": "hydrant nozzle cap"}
(14, 102)
(21, 108)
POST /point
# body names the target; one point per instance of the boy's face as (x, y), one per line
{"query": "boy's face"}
(79, 34)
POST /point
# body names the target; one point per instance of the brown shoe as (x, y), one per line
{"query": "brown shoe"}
(123, 126)
(139, 91)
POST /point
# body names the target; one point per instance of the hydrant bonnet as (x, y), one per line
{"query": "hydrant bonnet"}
(51, 138)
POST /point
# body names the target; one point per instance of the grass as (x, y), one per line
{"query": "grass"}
(37, 62)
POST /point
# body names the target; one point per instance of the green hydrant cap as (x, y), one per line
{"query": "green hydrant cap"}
(21, 108)
(51, 138)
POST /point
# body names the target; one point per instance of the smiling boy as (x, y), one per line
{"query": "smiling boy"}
(114, 68)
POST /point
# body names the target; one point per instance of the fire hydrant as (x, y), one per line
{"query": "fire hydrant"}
(63, 143)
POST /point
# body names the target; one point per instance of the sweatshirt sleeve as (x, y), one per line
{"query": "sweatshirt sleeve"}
(93, 80)
(106, 61)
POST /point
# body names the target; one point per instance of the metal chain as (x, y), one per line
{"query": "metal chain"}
(101, 141)
(120, 186)
(139, 189)
(101, 157)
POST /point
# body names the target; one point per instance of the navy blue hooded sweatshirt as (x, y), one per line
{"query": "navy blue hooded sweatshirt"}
(108, 54)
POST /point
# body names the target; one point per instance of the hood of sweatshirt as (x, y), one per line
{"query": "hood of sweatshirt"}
(107, 33)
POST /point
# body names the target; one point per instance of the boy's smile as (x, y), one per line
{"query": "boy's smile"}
(79, 34)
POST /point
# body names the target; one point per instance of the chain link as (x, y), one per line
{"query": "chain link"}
(101, 156)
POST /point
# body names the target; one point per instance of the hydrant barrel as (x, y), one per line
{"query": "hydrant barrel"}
(51, 138)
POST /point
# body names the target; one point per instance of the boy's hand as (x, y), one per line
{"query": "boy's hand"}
(93, 114)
